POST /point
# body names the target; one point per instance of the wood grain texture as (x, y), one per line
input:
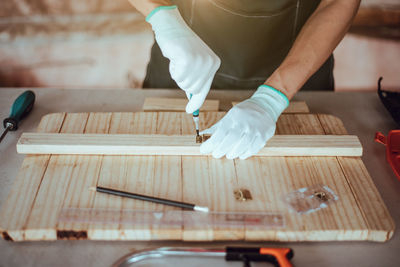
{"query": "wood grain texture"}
(198, 185)
(176, 104)
(16, 209)
(373, 209)
(133, 174)
(43, 218)
(168, 175)
(161, 144)
(294, 107)
(78, 195)
(61, 181)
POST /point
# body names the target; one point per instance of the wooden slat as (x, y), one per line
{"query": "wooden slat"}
(132, 174)
(42, 221)
(380, 225)
(359, 214)
(167, 181)
(331, 124)
(78, 195)
(379, 222)
(118, 144)
(282, 175)
(294, 107)
(16, 208)
(176, 104)
(198, 185)
(299, 124)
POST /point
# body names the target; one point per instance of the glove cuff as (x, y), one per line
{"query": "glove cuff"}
(167, 23)
(271, 100)
(157, 9)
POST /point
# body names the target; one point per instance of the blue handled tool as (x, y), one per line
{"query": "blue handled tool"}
(21, 107)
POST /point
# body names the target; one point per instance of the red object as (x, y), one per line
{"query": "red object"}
(392, 143)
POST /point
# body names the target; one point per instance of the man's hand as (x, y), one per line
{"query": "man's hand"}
(192, 63)
(246, 128)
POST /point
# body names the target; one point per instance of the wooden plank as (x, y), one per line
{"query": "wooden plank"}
(16, 208)
(175, 104)
(379, 222)
(332, 124)
(359, 214)
(198, 185)
(120, 144)
(167, 181)
(280, 176)
(299, 124)
(78, 195)
(43, 218)
(128, 173)
(294, 107)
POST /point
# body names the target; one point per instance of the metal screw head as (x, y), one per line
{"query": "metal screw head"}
(242, 194)
(321, 195)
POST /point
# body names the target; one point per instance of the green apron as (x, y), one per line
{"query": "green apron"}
(251, 37)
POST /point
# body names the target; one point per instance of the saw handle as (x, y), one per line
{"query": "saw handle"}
(278, 256)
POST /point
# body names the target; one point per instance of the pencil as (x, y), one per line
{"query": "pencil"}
(164, 201)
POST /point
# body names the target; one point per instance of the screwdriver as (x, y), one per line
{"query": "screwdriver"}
(196, 121)
(19, 110)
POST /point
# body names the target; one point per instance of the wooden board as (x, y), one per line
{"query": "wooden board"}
(178, 145)
(294, 107)
(48, 184)
(176, 104)
(179, 104)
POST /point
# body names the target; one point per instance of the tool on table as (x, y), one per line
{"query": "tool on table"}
(19, 110)
(392, 143)
(170, 219)
(278, 256)
(391, 101)
(149, 198)
(196, 123)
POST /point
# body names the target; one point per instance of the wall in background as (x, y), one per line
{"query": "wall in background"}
(106, 44)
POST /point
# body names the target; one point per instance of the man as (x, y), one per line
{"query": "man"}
(278, 47)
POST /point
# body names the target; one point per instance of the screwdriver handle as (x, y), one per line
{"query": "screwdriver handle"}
(197, 112)
(19, 110)
(280, 257)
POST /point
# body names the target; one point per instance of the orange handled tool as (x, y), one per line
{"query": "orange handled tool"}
(278, 256)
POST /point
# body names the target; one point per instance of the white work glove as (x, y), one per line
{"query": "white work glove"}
(247, 127)
(192, 63)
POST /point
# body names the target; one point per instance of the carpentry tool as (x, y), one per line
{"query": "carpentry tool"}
(392, 143)
(19, 110)
(391, 101)
(196, 122)
(278, 256)
(149, 198)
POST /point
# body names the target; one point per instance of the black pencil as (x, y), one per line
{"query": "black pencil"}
(168, 202)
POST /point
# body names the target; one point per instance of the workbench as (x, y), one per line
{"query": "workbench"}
(361, 113)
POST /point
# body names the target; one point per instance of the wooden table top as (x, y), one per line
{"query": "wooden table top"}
(361, 113)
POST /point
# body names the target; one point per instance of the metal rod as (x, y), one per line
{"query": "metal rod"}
(5, 132)
(168, 252)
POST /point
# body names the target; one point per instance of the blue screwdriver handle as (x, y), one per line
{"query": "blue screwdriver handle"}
(197, 112)
(21, 107)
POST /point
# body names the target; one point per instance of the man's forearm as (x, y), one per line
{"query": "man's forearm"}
(316, 41)
(146, 6)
